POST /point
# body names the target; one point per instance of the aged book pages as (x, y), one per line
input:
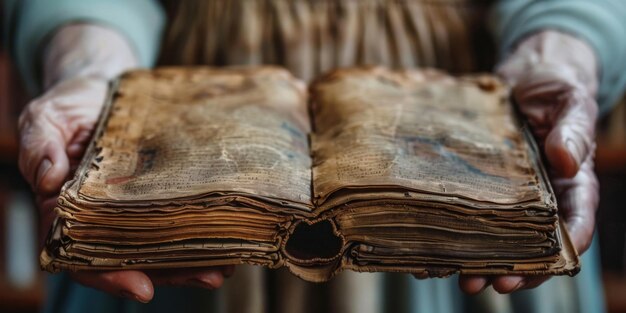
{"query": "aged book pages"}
(405, 171)
(421, 131)
(226, 132)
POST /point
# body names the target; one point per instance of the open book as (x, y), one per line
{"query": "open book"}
(376, 170)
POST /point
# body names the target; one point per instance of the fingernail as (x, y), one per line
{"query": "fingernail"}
(132, 296)
(200, 283)
(519, 285)
(44, 167)
(216, 278)
(484, 286)
(574, 151)
(74, 148)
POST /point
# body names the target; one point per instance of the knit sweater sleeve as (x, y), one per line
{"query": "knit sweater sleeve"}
(30, 23)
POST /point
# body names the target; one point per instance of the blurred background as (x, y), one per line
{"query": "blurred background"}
(21, 282)
(22, 287)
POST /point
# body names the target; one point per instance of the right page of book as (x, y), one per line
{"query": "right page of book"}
(379, 131)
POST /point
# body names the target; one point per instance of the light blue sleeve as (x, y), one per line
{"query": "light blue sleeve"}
(31, 22)
(602, 23)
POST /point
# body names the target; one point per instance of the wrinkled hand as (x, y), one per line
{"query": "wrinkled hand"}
(54, 131)
(554, 86)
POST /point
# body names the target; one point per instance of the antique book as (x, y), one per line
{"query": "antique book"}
(368, 170)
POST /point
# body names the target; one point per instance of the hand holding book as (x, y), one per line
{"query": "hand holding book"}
(555, 81)
(55, 130)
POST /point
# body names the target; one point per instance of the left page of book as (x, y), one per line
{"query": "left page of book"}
(177, 133)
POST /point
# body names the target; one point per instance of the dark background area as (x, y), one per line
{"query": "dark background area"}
(21, 282)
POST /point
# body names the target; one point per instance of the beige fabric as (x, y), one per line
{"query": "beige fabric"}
(243, 292)
(247, 292)
(310, 37)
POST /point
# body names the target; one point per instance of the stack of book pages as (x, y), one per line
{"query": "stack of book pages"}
(369, 170)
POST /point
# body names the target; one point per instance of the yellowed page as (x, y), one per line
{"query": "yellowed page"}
(420, 131)
(178, 133)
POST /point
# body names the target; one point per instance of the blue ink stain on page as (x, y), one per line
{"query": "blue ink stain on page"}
(292, 130)
(446, 154)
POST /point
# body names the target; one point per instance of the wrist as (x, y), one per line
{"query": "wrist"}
(86, 50)
(565, 55)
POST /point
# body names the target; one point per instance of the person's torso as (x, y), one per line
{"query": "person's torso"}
(310, 37)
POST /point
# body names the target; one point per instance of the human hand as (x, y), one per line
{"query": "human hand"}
(554, 85)
(54, 131)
